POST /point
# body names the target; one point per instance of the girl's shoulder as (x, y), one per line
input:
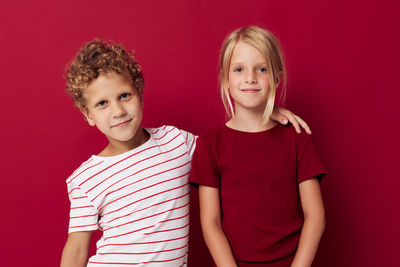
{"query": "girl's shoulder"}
(212, 135)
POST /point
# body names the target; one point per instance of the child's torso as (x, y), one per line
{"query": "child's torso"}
(142, 200)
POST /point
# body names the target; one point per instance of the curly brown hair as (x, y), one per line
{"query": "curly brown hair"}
(100, 57)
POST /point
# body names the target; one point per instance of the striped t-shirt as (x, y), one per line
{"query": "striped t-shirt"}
(139, 199)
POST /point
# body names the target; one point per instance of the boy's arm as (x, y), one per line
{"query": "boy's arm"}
(76, 250)
(283, 116)
(314, 223)
(214, 236)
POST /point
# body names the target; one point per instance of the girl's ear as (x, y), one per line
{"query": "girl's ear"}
(278, 78)
(88, 117)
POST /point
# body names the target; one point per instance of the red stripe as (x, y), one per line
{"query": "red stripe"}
(155, 131)
(144, 243)
(79, 197)
(84, 171)
(137, 263)
(187, 136)
(131, 232)
(82, 207)
(145, 178)
(193, 142)
(132, 173)
(143, 218)
(141, 253)
(159, 193)
(174, 219)
(167, 230)
(134, 154)
(83, 225)
(82, 165)
(172, 199)
(183, 264)
(159, 138)
(73, 190)
(76, 217)
(141, 189)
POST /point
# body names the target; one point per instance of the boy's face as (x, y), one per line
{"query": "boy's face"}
(114, 106)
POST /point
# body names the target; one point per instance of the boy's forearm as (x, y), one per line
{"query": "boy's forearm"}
(73, 258)
(309, 240)
(218, 245)
(76, 249)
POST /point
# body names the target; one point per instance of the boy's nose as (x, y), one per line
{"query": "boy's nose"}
(118, 111)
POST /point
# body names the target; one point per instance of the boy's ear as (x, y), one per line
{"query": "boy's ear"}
(141, 98)
(88, 117)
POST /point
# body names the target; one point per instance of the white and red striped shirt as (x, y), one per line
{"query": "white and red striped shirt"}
(139, 199)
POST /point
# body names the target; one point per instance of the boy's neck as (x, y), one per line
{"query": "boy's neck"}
(115, 147)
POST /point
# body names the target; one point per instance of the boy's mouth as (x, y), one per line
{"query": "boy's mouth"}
(121, 124)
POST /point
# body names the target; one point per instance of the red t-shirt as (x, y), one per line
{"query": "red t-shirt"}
(258, 176)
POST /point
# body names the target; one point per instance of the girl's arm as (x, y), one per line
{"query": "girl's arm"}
(214, 236)
(76, 250)
(314, 223)
(283, 116)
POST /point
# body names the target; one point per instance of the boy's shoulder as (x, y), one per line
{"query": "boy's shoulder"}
(161, 132)
(164, 135)
(87, 166)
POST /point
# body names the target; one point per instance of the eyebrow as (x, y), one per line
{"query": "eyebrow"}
(242, 64)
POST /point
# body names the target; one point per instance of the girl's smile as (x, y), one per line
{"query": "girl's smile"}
(248, 78)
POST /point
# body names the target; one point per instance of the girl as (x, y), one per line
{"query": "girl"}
(260, 201)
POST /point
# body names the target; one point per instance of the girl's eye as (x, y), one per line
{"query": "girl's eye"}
(125, 96)
(101, 104)
(262, 69)
(238, 69)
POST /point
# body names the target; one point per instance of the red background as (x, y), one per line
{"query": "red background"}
(343, 59)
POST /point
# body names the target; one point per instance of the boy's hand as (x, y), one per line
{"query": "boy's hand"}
(283, 116)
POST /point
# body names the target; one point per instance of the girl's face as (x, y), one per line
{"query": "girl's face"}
(248, 78)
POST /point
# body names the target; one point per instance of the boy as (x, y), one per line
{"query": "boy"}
(135, 190)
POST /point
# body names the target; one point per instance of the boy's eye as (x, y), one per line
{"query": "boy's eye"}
(101, 104)
(125, 96)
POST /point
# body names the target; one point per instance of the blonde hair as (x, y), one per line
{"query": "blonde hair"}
(270, 47)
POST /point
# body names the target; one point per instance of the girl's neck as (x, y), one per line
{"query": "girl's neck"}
(250, 122)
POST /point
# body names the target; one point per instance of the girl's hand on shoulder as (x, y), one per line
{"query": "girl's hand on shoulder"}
(283, 116)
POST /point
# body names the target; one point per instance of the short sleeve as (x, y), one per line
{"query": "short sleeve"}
(204, 167)
(309, 164)
(190, 141)
(83, 214)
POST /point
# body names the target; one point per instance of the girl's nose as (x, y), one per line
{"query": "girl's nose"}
(251, 77)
